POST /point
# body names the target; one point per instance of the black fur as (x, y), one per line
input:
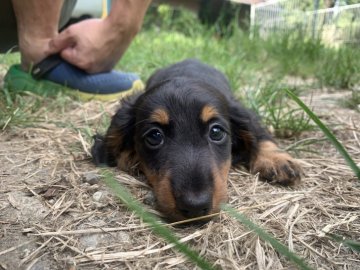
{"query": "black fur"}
(188, 156)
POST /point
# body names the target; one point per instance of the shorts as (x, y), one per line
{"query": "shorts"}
(8, 29)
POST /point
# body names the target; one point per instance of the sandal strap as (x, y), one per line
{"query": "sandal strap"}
(45, 66)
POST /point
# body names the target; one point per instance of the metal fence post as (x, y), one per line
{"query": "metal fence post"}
(316, 7)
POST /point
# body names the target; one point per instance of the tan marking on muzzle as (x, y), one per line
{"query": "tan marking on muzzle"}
(220, 173)
(160, 182)
(127, 160)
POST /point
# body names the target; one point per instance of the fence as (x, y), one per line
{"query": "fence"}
(337, 25)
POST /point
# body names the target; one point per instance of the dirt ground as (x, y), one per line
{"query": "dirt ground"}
(55, 212)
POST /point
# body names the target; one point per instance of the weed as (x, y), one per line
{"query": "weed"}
(339, 68)
(151, 220)
(354, 245)
(170, 237)
(293, 54)
(327, 133)
(354, 101)
(276, 110)
(242, 59)
(19, 110)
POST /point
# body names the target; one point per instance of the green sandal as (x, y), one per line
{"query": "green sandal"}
(65, 77)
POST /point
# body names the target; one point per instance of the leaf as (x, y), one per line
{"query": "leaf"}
(328, 133)
(354, 245)
(150, 219)
(279, 247)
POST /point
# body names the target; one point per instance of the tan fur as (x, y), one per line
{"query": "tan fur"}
(162, 189)
(220, 174)
(160, 116)
(207, 113)
(127, 160)
(275, 166)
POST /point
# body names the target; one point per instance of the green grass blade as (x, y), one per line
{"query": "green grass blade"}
(354, 245)
(328, 133)
(299, 262)
(150, 219)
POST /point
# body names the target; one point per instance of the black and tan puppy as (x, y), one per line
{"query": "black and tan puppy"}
(185, 132)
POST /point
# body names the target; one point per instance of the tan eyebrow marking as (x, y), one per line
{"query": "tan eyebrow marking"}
(208, 112)
(160, 116)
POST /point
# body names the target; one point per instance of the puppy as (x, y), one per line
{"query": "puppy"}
(185, 132)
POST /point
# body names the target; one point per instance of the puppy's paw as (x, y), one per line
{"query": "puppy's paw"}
(276, 166)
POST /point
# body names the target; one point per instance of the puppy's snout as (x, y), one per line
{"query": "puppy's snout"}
(194, 205)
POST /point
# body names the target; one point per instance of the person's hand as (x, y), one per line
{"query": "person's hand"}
(94, 45)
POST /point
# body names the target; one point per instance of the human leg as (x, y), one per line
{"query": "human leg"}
(8, 25)
(103, 86)
(37, 24)
(101, 48)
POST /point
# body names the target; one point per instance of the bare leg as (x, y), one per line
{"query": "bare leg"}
(99, 50)
(37, 23)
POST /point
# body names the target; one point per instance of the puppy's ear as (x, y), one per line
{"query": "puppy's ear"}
(117, 147)
(246, 132)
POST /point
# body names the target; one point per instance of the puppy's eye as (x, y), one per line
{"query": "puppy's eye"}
(154, 138)
(217, 133)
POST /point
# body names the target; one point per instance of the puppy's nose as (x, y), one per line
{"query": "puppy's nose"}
(194, 205)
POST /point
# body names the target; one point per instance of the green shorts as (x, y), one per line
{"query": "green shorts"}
(8, 29)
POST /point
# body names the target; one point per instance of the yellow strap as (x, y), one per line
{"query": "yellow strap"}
(104, 8)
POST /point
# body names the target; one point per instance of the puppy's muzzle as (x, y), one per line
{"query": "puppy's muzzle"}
(193, 205)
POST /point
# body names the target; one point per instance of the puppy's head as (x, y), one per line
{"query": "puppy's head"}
(179, 133)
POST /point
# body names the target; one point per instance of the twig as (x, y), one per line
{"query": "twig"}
(121, 256)
(29, 267)
(35, 252)
(15, 247)
(87, 231)
(315, 251)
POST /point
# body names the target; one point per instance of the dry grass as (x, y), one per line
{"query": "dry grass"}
(56, 214)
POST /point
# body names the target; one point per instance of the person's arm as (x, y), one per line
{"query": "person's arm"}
(95, 45)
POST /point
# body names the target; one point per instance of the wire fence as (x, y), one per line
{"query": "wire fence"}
(334, 26)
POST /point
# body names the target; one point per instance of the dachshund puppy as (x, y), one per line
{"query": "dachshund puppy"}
(185, 132)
